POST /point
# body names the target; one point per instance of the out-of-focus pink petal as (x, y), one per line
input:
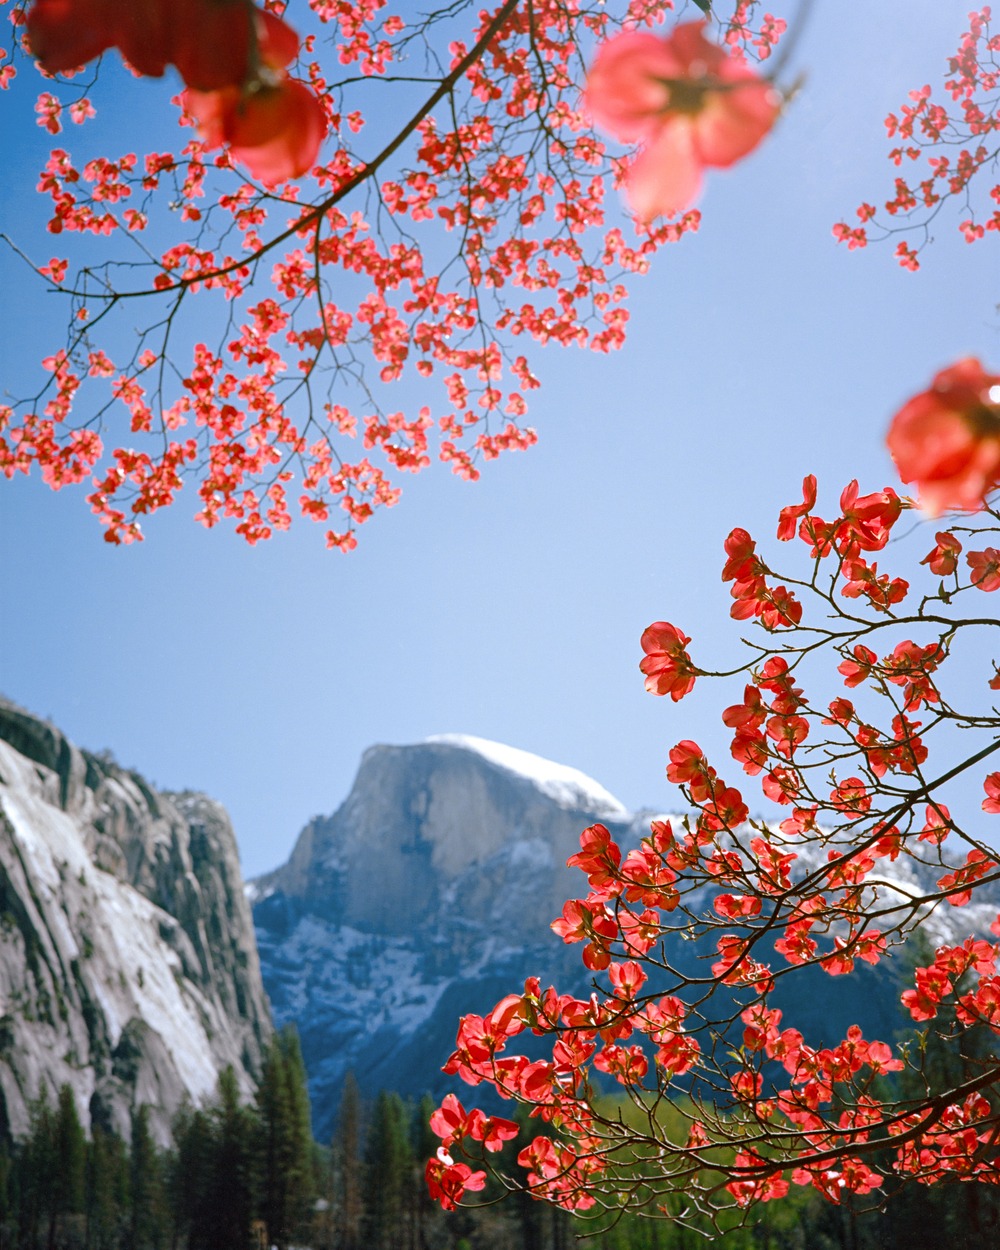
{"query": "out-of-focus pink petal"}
(274, 131)
(277, 132)
(697, 56)
(145, 35)
(967, 488)
(213, 111)
(65, 34)
(211, 42)
(947, 438)
(625, 93)
(279, 44)
(665, 177)
(733, 122)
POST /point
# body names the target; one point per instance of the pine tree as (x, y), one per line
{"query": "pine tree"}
(229, 1207)
(47, 1175)
(424, 1143)
(107, 1190)
(300, 1161)
(346, 1166)
(56, 1168)
(389, 1160)
(36, 1161)
(285, 1140)
(8, 1200)
(71, 1149)
(146, 1210)
(189, 1177)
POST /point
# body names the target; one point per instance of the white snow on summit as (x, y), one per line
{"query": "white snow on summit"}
(567, 786)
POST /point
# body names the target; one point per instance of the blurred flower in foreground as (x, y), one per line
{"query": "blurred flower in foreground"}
(274, 129)
(230, 53)
(946, 440)
(209, 41)
(273, 124)
(690, 103)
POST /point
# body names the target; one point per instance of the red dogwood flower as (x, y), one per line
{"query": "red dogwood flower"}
(984, 568)
(690, 103)
(666, 664)
(209, 41)
(275, 130)
(947, 438)
(231, 55)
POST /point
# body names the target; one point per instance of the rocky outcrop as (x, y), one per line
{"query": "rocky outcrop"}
(427, 895)
(128, 966)
(453, 832)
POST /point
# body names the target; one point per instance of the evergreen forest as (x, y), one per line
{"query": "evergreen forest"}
(249, 1176)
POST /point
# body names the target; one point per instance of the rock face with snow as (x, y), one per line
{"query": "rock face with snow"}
(443, 832)
(128, 966)
(429, 895)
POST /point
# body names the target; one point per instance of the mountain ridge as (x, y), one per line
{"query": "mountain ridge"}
(427, 893)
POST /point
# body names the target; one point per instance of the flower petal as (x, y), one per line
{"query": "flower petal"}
(665, 178)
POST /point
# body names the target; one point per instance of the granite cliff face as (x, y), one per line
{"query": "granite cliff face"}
(429, 894)
(442, 833)
(128, 966)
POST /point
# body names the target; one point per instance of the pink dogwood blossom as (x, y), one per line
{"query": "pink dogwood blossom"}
(947, 439)
(689, 102)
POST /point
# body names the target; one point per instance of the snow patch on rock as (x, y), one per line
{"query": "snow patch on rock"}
(569, 787)
(128, 968)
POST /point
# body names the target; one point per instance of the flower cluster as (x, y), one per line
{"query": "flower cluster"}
(463, 236)
(951, 132)
(806, 889)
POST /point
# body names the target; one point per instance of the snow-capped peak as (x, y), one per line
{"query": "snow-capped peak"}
(566, 786)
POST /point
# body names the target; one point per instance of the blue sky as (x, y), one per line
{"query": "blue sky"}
(512, 608)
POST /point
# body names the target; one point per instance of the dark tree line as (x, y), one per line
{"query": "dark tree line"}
(233, 1177)
(249, 1176)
